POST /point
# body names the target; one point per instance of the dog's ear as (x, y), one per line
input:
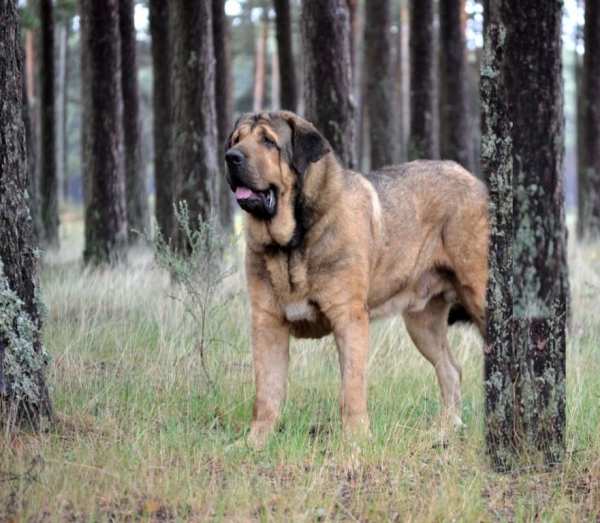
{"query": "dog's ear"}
(308, 144)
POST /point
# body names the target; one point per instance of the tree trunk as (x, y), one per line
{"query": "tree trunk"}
(86, 102)
(224, 103)
(32, 186)
(328, 75)
(61, 113)
(23, 358)
(260, 68)
(287, 69)
(455, 113)
(48, 178)
(589, 170)
(522, 100)
(497, 166)
(105, 218)
(161, 102)
(405, 75)
(194, 112)
(31, 128)
(422, 143)
(380, 72)
(135, 178)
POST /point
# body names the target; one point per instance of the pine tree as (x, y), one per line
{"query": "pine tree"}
(522, 155)
(106, 231)
(23, 391)
(328, 74)
(135, 179)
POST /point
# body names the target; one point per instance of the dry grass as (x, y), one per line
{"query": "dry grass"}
(141, 436)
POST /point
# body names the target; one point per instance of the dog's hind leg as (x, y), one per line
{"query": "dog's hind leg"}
(428, 329)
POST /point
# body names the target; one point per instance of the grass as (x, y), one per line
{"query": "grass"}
(140, 435)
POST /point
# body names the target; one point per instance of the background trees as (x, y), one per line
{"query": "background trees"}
(106, 232)
(327, 74)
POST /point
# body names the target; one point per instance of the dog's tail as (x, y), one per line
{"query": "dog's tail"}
(458, 314)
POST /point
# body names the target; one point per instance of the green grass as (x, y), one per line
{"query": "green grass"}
(140, 435)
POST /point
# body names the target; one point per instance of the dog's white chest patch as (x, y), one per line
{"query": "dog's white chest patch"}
(300, 310)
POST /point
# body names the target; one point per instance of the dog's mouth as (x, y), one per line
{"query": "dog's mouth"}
(262, 204)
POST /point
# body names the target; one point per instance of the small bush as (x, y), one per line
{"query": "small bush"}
(198, 271)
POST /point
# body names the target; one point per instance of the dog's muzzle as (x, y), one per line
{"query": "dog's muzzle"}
(260, 203)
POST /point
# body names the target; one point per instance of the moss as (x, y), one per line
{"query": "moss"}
(20, 332)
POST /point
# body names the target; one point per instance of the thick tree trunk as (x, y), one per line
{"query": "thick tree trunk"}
(535, 94)
(48, 178)
(455, 112)
(589, 170)
(194, 112)
(105, 219)
(224, 103)
(380, 72)
(135, 178)
(422, 142)
(287, 69)
(497, 166)
(525, 349)
(328, 74)
(161, 103)
(23, 391)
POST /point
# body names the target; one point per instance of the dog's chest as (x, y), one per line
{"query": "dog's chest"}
(289, 276)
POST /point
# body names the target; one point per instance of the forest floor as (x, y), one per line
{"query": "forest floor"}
(140, 434)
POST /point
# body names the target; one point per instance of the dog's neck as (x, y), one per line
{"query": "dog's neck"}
(302, 209)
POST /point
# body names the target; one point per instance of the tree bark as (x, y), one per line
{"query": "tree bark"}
(32, 186)
(194, 112)
(48, 178)
(61, 113)
(260, 67)
(224, 103)
(496, 163)
(422, 143)
(287, 68)
(106, 229)
(525, 347)
(161, 102)
(380, 72)
(328, 75)
(135, 178)
(589, 165)
(86, 102)
(23, 358)
(32, 127)
(455, 113)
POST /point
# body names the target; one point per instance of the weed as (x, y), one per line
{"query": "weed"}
(198, 271)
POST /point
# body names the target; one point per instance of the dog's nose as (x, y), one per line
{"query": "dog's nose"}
(234, 157)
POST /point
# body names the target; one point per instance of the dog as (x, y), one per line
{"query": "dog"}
(330, 249)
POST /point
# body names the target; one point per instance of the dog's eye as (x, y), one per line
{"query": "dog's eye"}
(268, 142)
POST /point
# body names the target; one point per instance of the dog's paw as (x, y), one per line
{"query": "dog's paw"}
(257, 439)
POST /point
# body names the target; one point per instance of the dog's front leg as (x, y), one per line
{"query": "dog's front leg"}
(350, 325)
(270, 350)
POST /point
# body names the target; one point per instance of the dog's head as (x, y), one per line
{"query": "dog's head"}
(267, 157)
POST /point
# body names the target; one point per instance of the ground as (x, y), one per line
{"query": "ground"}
(141, 435)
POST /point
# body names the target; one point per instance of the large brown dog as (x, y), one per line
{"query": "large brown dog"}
(329, 249)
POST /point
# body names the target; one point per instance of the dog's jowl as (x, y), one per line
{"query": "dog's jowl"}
(329, 249)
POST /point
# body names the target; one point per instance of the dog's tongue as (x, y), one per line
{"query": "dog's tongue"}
(243, 193)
